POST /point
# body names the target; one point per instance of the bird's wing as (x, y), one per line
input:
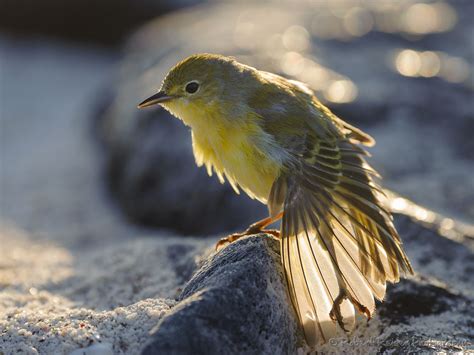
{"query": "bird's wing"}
(339, 245)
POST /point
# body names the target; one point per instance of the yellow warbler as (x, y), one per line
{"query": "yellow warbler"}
(272, 138)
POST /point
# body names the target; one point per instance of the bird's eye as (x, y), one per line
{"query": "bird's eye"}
(192, 87)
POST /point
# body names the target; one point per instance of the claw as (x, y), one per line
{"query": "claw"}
(335, 313)
(256, 228)
(251, 230)
(361, 308)
(220, 243)
(227, 240)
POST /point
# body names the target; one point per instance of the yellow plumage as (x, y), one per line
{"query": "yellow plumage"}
(272, 138)
(228, 148)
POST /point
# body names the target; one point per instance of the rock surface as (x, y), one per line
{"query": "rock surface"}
(236, 303)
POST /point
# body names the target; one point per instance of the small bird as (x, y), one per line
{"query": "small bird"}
(272, 138)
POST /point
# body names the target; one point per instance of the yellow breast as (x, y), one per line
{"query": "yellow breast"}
(233, 149)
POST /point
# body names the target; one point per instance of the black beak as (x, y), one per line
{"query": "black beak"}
(155, 99)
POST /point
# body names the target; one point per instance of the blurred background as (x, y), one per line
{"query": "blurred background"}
(86, 179)
(78, 159)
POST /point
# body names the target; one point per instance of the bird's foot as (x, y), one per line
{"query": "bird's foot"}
(335, 313)
(250, 231)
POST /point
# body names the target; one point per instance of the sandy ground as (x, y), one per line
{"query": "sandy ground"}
(53, 300)
(72, 271)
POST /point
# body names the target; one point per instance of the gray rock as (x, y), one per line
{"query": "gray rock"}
(236, 303)
(424, 315)
(151, 167)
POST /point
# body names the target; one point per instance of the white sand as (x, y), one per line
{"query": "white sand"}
(54, 302)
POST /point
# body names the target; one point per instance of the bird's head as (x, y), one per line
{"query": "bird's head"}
(199, 83)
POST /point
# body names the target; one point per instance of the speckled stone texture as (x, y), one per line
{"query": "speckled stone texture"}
(236, 303)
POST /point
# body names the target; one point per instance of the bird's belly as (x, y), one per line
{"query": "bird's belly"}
(254, 175)
(238, 160)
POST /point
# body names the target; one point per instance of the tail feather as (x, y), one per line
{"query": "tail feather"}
(339, 246)
(314, 287)
(349, 257)
(320, 268)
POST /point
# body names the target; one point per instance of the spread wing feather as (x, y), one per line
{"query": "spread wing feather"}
(339, 246)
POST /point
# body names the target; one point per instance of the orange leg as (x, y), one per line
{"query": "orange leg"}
(255, 228)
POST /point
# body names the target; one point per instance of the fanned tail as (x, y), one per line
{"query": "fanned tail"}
(339, 246)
